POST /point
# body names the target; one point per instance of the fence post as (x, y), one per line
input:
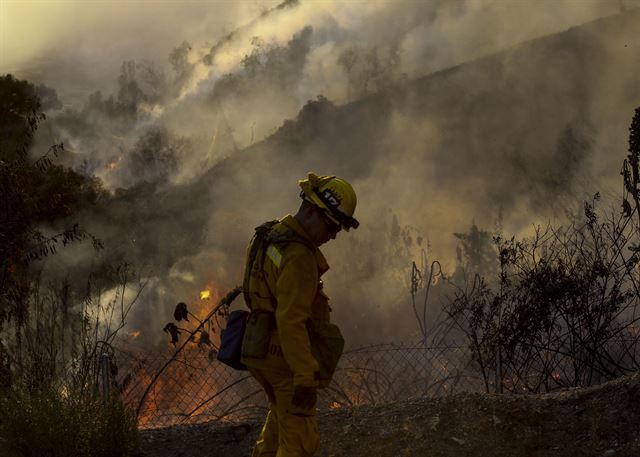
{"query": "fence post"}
(105, 377)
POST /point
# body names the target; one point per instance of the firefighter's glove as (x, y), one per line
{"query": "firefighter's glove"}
(304, 397)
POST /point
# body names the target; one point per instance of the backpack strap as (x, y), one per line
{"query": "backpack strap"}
(265, 236)
(257, 245)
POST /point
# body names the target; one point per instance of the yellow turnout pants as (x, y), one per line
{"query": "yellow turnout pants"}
(288, 431)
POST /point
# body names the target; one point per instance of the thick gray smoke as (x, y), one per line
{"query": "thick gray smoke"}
(441, 114)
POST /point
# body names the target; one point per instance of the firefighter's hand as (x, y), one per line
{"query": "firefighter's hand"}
(304, 397)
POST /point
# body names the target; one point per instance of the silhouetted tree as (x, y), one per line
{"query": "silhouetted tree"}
(34, 192)
(476, 254)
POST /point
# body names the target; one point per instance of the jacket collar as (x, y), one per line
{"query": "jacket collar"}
(294, 225)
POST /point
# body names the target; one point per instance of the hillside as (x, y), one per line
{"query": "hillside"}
(535, 111)
(600, 421)
(519, 137)
(519, 132)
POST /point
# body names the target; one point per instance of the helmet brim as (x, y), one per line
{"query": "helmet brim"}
(333, 212)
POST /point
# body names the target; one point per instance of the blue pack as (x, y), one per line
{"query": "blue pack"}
(231, 340)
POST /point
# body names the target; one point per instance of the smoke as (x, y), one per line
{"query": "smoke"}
(227, 76)
(197, 118)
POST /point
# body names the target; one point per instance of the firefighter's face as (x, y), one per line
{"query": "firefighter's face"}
(324, 229)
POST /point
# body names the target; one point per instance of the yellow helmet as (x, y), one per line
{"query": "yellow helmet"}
(333, 195)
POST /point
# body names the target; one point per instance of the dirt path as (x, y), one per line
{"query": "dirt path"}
(601, 421)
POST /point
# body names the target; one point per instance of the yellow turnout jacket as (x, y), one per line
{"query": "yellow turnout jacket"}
(288, 283)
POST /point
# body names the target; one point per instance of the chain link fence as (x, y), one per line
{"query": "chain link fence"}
(197, 388)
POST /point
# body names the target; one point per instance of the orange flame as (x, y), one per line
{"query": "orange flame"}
(168, 393)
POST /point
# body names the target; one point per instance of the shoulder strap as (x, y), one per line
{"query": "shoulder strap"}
(263, 237)
(257, 244)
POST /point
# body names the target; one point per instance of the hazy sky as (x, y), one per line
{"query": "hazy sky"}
(37, 29)
(77, 45)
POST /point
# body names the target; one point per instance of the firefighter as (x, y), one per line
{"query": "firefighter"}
(290, 346)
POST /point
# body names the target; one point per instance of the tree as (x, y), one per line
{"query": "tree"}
(34, 192)
(476, 254)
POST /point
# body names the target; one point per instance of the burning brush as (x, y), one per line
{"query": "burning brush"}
(181, 313)
(201, 334)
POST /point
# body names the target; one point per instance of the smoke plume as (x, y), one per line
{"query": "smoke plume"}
(199, 118)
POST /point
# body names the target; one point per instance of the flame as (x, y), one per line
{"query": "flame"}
(177, 391)
(174, 393)
(135, 333)
(335, 405)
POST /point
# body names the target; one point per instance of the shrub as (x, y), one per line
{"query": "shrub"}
(51, 423)
(563, 310)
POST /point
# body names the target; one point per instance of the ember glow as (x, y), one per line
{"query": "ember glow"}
(209, 298)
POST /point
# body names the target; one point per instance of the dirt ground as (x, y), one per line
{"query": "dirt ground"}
(596, 421)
